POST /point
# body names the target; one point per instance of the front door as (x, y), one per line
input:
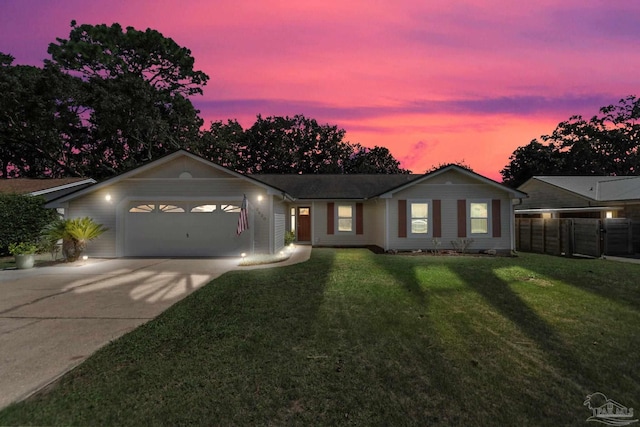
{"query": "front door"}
(304, 224)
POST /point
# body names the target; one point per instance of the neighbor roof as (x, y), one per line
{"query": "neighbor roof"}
(39, 186)
(356, 186)
(600, 188)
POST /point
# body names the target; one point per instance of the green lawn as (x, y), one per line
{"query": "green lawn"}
(353, 338)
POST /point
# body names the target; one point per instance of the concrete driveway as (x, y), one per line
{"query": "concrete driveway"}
(53, 318)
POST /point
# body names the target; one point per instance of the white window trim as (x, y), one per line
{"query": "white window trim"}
(337, 218)
(429, 233)
(489, 232)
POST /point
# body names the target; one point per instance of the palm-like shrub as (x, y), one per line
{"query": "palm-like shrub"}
(75, 234)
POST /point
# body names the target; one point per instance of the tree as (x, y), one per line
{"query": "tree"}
(220, 143)
(461, 163)
(136, 89)
(532, 159)
(108, 52)
(606, 144)
(372, 160)
(39, 127)
(290, 145)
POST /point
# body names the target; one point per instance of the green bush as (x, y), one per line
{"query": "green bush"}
(289, 237)
(22, 217)
(23, 248)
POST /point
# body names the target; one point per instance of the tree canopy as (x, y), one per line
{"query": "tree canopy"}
(39, 128)
(110, 99)
(606, 144)
(136, 85)
(294, 145)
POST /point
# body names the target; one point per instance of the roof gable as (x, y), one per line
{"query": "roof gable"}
(184, 167)
(169, 166)
(446, 175)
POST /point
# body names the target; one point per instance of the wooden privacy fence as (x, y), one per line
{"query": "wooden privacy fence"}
(576, 236)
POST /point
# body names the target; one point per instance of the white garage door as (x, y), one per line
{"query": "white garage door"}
(167, 228)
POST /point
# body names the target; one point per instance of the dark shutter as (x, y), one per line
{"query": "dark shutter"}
(495, 217)
(330, 218)
(359, 219)
(402, 218)
(437, 218)
(462, 218)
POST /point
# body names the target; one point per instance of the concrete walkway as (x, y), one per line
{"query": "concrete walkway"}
(52, 318)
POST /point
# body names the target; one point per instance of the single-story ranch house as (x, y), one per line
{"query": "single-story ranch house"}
(183, 205)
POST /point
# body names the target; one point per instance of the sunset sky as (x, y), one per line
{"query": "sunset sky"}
(433, 81)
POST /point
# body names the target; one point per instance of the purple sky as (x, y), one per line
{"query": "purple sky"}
(434, 81)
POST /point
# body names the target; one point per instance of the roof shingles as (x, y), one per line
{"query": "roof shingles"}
(354, 186)
(31, 185)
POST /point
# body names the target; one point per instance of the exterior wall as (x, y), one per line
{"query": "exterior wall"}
(280, 225)
(543, 195)
(174, 168)
(319, 234)
(380, 222)
(112, 213)
(449, 190)
(96, 207)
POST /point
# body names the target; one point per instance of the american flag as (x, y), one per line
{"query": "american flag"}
(243, 219)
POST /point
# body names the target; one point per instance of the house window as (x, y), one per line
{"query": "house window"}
(345, 218)
(293, 219)
(419, 217)
(479, 217)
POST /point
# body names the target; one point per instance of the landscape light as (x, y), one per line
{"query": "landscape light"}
(85, 257)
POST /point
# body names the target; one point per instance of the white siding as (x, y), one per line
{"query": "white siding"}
(319, 225)
(103, 212)
(380, 219)
(279, 225)
(449, 192)
(175, 168)
(111, 213)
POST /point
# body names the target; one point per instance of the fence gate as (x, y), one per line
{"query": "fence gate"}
(586, 237)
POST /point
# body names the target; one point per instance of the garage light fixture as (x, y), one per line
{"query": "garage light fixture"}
(107, 197)
(260, 198)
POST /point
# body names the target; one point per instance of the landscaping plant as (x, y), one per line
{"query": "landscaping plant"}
(22, 218)
(23, 248)
(75, 234)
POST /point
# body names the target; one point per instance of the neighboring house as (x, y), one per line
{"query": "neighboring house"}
(49, 189)
(580, 197)
(183, 205)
